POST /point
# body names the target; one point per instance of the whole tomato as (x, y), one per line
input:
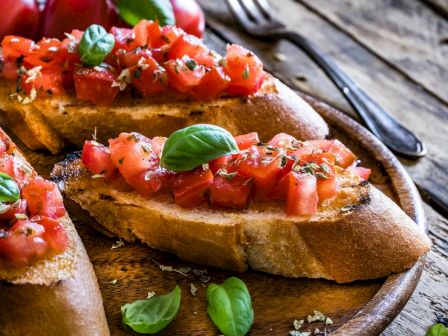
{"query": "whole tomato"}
(189, 16)
(60, 16)
(19, 17)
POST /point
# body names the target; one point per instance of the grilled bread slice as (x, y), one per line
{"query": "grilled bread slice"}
(52, 123)
(360, 234)
(57, 296)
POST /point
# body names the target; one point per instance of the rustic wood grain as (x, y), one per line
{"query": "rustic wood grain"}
(406, 34)
(408, 102)
(361, 308)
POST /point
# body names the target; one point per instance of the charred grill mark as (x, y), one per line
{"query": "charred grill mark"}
(66, 169)
(104, 197)
(196, 113)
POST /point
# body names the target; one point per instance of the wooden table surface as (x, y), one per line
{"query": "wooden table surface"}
(397, 51)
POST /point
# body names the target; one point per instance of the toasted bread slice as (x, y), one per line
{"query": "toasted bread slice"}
(360, 234)
(57, 296)
(52, 123)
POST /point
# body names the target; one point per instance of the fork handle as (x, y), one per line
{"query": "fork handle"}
(385, 127)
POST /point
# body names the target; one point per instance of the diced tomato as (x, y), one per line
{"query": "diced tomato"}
(230, 192)
(326, 188)
(169, 35)
(128, 59)
(96, 158)
(154, 34)
(20, 207)
(214, 83)
(95, 86)
(14, 46)
(184, 74)
(43, 198)
(54, 234)
(191, 46)
(344, 156)
(157, 144)
(319, 158)
(23, 243)
(362, 172)
(245, 141)
(48, 82)
(123, 39)
(245, 70)
(3, 146)
(149, 77)
(301, 197)
(219, 163)
(151, 181)
(8, 166)
(282, 140)
(141, 33)
(265, 174)
(9, 71)
(47, 53)
(190, 187)
(133, 155)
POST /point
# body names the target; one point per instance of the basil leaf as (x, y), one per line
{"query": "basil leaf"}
(95, 45)
(133, 11)
(152, 315)
(9, 191)
(230, 307)
(437, 330)
(195, 145)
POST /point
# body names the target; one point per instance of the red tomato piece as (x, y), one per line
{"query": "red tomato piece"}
(20, 17)
(15, 46)
(248, 140)
(282, 140)
(184, 74)
(133, 155)
(189, 187)
(301, 197)
(23, 243)
(362, 172)
(96, 158)
(326, 188)
(169, 35)
(214, 82)
(54, 234)
(245, 70)
(141, 33)
(19, 207)
(149, 77)
(95, 86)
(128, 59)
(48, 82)
(191, 46)
(124, 39)
(47, 53)
(8, 166)
(43, 198)
(9, 70)
(344, 156)
(157, 144)
(189, 16)
(230, 192)
(219, 163)
(151, 181)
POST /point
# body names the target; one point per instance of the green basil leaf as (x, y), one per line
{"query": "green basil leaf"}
(230, 307)
(195, 145)
(95, 45)
(133, 11)
(437, 330)
(9, 190)
(152, 315)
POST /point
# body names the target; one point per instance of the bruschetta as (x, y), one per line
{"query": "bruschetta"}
(153, 81)
(288, 207)
(47, 284)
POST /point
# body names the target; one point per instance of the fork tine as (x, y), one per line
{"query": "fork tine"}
(253, 11)
(239, 13)
(265, 7)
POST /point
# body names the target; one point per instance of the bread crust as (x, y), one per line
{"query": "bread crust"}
(362, 235)
(57, 296)
(52, 123)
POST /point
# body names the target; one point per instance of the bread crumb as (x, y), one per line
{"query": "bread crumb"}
(318, 316)
(113, 282)
(150, 295)
(298, 324)
(118, 243)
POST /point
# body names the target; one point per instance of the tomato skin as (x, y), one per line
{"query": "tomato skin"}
(54, 234)
(157, 144)
(60, 16)
(150, 79)
(301, 197)
(49, 83)
(244, 69)
(362, 172)
(213, 84)
(8, 166)
(230, 192)
(23, 243)
(189, 16)
(344, 156)
(246, 141)
(20, 17)
(124, 39)
(219, 163)
(95, 86)
(191, 46)
(43, 198)
(182, 77)
(97, 160)
(327, 188)
(16, 46)
(189, 187)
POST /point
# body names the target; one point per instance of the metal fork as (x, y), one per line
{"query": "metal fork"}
(256, 18)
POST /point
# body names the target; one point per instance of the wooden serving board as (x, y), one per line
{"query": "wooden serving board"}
(129, 272)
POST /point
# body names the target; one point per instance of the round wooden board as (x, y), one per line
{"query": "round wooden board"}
(129, 272)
